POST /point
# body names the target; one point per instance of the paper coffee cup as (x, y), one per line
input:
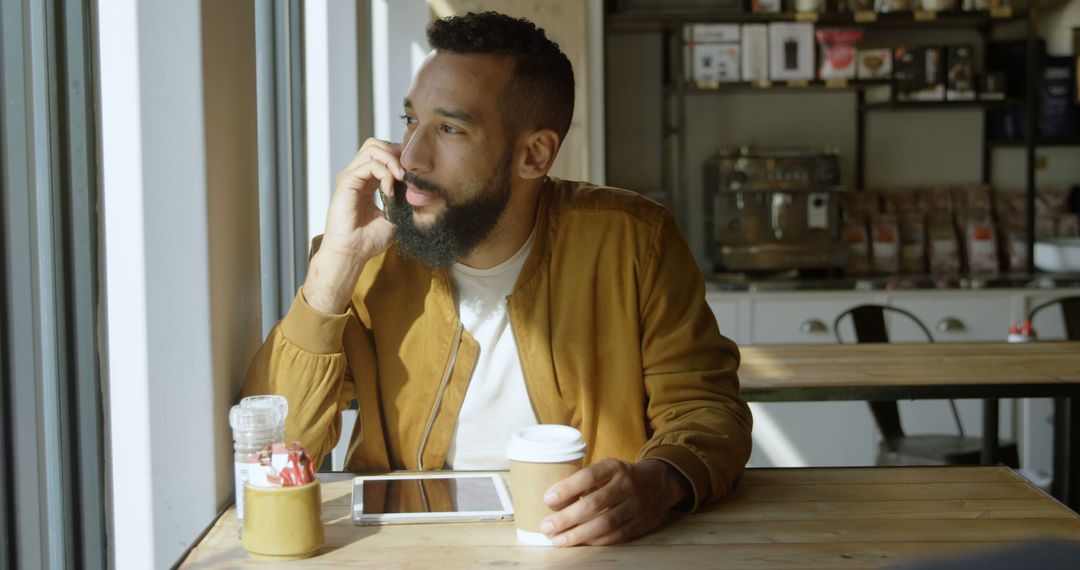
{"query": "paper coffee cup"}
(540, 456)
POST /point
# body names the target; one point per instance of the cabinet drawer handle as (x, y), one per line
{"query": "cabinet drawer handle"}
(951, 325)
(812, 326)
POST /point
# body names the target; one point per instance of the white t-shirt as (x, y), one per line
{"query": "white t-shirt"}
(496, 401)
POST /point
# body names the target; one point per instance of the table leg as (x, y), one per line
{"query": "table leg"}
(1057, 485)
(990, 414)
(1066, 485)
(1072, 496)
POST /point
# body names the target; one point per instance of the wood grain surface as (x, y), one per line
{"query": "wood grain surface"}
(791, 367)
(778, 518)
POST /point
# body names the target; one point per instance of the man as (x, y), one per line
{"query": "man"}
(494, 297)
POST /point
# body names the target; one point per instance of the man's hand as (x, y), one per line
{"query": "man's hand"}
(355, 230)
(612, 501)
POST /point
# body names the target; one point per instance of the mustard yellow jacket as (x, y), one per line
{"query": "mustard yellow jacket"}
(612, 328)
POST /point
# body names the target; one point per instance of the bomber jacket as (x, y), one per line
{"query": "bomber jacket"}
(612, 328)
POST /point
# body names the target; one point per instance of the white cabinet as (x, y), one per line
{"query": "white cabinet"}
(727, 318)
(952, 316)
(802, 319)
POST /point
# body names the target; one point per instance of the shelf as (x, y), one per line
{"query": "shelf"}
(782, 86)
(937, 105)
(1040, 144)
(896, 20)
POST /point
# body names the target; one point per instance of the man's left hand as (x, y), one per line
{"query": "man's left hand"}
(612, 501)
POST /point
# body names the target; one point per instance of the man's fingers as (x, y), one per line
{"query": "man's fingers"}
(359, 176)
(582, 511)
(580, 483)
(607, 527)
(383, 151)
(361, 155)
(389, 158)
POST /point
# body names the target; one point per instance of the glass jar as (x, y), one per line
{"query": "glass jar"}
(278, 404)
(253, 428)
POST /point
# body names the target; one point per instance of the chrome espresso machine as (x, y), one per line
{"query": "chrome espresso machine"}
(774, 210)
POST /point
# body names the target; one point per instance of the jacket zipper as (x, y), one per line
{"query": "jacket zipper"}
(439, 396)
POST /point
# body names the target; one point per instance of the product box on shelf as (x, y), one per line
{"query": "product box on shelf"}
(930, 81)
(714, 33)
(904, 72)
(791, 51)
(766, 6)
(919, 74)
(755, 52)
(874, 63)
(714, 53)
(715, 63)
(887, 6)
(838, 53)
(961, 74)
(1057, 92)
(1059, 118)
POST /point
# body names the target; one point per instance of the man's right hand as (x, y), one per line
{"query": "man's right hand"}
(355, 229)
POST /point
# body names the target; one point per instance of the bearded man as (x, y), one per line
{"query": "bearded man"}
(492, 297)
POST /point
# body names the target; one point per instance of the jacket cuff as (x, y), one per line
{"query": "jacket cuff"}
(311, 330)
(690, 466)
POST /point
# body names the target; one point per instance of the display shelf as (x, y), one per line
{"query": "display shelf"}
(630, 22)
(676, 89)
(938, 105)
(1040, 144)
(780, 86)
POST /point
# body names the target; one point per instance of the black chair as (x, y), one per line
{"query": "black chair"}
(898, 448)
(1070, 313)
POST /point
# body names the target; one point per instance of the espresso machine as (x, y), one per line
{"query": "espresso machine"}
(774, 210)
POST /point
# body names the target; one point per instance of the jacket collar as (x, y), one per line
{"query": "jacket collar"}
(541, 234)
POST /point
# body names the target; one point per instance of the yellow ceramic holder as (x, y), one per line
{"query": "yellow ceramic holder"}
(283, 522)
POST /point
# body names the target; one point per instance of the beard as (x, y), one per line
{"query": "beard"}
(457, 232)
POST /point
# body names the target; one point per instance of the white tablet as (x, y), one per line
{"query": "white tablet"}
(430, 497)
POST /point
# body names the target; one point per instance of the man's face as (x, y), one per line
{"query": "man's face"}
(456, 157)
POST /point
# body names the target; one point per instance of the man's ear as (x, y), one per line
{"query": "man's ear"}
(538, 151)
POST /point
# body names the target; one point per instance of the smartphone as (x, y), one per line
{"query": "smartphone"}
(430, 497)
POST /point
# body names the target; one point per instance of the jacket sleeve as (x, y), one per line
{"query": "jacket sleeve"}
(701, 425)
(303, 360)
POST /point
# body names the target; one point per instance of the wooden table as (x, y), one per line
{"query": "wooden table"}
(932, 371)
(858, 517)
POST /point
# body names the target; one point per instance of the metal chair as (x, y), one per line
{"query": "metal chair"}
(898, 448)
(1070, 313)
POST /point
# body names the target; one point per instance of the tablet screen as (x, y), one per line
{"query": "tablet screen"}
(469, 494)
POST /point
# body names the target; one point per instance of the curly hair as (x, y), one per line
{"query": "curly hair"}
(541, 92)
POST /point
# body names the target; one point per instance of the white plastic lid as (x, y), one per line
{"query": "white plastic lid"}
(545, 443)
(243, 419)
(278, 404)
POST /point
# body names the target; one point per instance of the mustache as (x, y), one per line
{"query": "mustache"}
(420, 184)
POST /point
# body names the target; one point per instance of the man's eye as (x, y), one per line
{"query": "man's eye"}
(450, 130)
(408, 120)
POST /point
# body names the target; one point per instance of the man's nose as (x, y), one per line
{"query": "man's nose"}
(416, 151)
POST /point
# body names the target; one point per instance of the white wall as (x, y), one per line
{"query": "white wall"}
(1056, 24)
(171, 363)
